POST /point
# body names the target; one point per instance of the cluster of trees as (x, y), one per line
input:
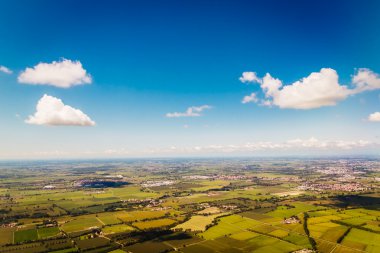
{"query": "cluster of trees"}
(311, 239)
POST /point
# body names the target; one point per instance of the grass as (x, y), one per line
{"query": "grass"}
(108, 218)
(224, 227)
(92, 243)
(284, 211)
(25, 235)
(298, 239)
(150, 246)
(81, 223)
(232, 224)
(66, 250)
(6, 235)
(361, 239)
(47, 232)
(269, 244)
(197, 248)
(279, 233)
(180, 239)
(358, 221)
(197, 223)
(117, 229)
(318, 230)
(334, 234)
(139, 215)
(153, 223)
(259, 216)
(244, 235)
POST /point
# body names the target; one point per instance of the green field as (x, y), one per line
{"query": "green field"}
(116, 229)
(362, 240)
(108, 218)
(293, 209)
(197, 223)
(228, 226)
(153, 223)
(139, 215)
(25, 235)
(82, 223)
(47, 232)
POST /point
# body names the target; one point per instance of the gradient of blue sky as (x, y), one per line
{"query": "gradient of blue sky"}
(148, 58)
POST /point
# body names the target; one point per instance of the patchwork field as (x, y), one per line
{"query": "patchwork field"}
(362, 240)
(190, 206)
(47, 232)
(197, 223)
(139, 215)
(116, 229)
(82, 223)
(25, 235)
(153, 223)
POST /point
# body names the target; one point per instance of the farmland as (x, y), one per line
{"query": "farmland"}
(197, 222)
(190, 206)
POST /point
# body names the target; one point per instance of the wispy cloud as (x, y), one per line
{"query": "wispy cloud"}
(297, 146)
(374, 117)
(193, 111)
(5, 70)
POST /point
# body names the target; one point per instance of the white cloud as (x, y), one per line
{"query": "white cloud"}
(249, 77)
(366, 79)
(5, 70)
(62, 74)
(250, 98)
(193, 111)
(374, 117)
(270, 85)
(52, 111)
(316, 90)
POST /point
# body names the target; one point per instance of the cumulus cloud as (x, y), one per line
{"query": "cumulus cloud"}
(193, 111)
(374, 117)
(5, 70)
(52, 111)
(316, 90)
(366, 79)
(249, 77)
(63, 74)
(250, 99)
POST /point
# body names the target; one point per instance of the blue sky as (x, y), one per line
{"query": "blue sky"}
(149, 58)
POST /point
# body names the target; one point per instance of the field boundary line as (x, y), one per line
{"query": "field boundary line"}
(100, 221)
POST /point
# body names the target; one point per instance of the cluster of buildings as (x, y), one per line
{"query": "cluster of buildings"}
(291, 220)
(282, 179)
(346, 187)
(137, 201)
(8, 225)
(157, 183)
